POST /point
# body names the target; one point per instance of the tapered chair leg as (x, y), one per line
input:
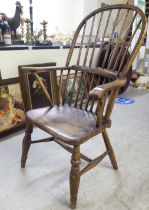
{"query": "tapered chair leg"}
(26, 143)
(110, 149)
(74, 176)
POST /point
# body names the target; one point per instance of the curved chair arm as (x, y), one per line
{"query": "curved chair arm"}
(100, 93)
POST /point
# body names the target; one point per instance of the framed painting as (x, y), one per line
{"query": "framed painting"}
(12, 116)
(31, 89)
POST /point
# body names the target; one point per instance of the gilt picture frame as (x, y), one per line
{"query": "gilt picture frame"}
(12, 116)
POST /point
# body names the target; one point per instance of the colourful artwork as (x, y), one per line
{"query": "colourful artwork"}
(11, 108)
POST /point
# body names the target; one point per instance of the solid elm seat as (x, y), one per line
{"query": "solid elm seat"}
(82, 95)
(71, 124)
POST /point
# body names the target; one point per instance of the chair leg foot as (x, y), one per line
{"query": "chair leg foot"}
(73, 204)
(26, 144)
(74, 176)
(110, 149)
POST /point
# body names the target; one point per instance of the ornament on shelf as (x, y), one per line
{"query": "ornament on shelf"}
(22, 21)
(29, 38)
(14, 22)
(44, 24)
(5, 32)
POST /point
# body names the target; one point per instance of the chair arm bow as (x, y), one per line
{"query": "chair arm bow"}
(99, 91)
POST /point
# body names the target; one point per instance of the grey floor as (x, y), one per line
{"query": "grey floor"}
(44, 185)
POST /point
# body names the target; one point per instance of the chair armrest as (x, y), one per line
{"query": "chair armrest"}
(99, 91)
(98, 71)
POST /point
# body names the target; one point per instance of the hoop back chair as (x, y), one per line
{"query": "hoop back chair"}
(83, 92)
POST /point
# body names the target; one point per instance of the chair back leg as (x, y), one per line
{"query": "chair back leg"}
(26, 143)
(74, 176)
(110, 149)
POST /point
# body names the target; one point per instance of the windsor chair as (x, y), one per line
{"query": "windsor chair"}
(83, 92)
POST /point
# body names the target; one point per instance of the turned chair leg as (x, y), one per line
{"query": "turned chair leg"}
(26, 143)
(74, 176)
(110, 149)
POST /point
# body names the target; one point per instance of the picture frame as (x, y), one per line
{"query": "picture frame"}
(12, 115)
(32, 93)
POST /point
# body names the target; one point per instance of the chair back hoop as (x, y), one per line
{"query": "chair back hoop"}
(115, 26)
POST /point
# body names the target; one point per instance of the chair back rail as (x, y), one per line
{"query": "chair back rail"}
(111, 25)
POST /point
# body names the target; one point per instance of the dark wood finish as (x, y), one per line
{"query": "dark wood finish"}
(110, 149)
(10, 81)
(83, 94)
(147, 8)
(70, 149)
(93, 163)
(74, 176)
(26, 143)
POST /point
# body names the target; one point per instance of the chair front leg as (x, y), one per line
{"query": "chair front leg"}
(74, 176)
(26, 143)
(110, 149)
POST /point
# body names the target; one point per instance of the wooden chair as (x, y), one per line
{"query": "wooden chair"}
(82, 95)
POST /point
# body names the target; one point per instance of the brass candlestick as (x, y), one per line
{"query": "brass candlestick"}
(22, 21)
(29, 38)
